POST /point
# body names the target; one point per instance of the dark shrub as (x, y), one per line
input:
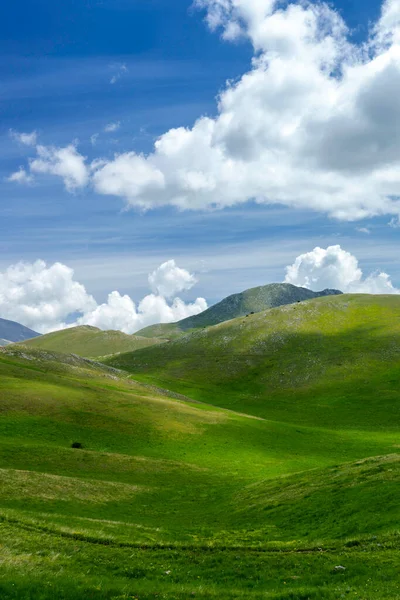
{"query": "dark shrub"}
(76, 445)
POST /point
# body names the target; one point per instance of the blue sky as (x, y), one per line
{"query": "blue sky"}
(69, 69)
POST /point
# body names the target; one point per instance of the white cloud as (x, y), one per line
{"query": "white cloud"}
(337, 269)
(169, 279)
(119, 71)
(65, 162)
(28, 139)
(41, 297)
(315, 122)
(46, 298)
(94, 138)
(20, 176)
(363, 230)
(312, 124)
(128, 174)
(111, 127)
(121, 313)
(394, 223)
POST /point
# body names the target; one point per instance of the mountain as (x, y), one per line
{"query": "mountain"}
(14, 332)
(238, 305)
(112, 487)
(91, 342)
(329, 360)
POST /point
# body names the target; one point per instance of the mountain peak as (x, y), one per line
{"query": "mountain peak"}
(249, 301)
(10, 331)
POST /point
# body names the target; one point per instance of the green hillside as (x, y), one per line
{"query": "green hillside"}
(172, 496)
(90, 342)
(238, 305)
(166, 331)
(329, 360)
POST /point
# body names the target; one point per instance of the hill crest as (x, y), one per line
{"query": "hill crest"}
(91, 342)
(237, 305)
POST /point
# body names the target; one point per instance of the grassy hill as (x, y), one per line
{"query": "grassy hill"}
(238, 305)
(166, 331)
(270, 471)
(91, 342)
(329, 360)
(10, 331)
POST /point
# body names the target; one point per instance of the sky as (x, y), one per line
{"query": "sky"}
(158, 156)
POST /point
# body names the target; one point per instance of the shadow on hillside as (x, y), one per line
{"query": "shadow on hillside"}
(349, 377)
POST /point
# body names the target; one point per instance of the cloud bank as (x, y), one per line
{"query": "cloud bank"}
(336, 269)
(314, 123)
(46, 298)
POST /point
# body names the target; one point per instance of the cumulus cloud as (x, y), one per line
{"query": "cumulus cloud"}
(121, 313)
(314, 123)
(335, 268)
(128, 174)
(46, 298)
(20, 176)
(40, 296)
(169, 279)
(111, 127)
(65, 162)
(28, 139)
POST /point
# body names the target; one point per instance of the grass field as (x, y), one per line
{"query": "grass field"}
(90, 342)
(278, 478)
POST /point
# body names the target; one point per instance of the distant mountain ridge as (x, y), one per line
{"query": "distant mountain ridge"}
(238, 305)
(10, 331)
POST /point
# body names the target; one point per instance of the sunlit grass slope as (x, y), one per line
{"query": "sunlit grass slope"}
(91, 342)
(177, 499)
(330, 362)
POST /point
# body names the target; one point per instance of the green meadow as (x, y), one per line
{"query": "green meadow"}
(255, 459)
(90, 342)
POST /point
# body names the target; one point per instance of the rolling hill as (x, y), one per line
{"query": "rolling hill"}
(314, 363)
(10, 331)
(91, 342)
(238, 305)
(255, 459)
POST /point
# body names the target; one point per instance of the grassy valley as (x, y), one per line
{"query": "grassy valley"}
(258, 458)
